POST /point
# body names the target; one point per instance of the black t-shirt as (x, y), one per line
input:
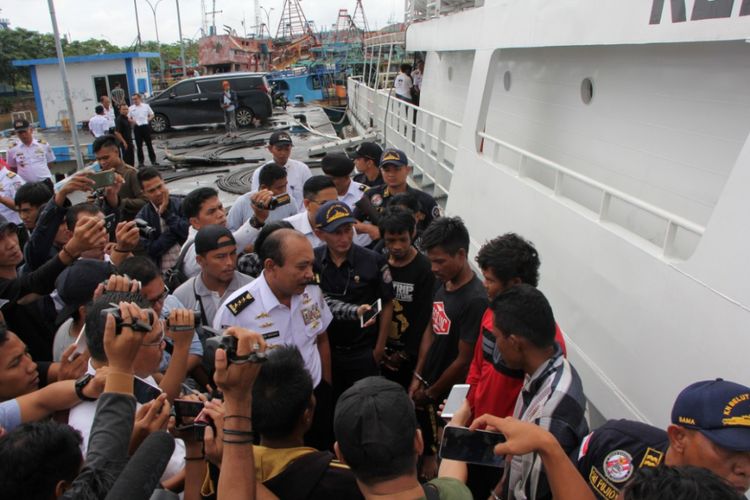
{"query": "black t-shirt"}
(362, 179)
(122, 125)
(456, 315)
(362, 278)
(609, 456)
(413, 286)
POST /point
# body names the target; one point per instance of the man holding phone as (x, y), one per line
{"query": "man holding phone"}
(130, 197)
(355, 275)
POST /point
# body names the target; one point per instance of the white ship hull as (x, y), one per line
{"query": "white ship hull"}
(637, 201)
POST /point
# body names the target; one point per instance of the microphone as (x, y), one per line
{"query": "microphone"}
(141, 475)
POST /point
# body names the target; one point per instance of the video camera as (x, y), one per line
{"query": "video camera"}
(275, 202)
(229, 344)
(144, 229)
(138, 326)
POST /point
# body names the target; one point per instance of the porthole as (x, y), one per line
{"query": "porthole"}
(587, 90)
(506, 80)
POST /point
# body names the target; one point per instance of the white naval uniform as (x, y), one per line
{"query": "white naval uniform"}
(31, 161)
(99, 125)
(110, 114)
(255, 307)
(296, 175)
(9, 184)
(353, 194)
(140, 113)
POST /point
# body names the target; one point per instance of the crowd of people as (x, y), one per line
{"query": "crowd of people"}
(302, 345)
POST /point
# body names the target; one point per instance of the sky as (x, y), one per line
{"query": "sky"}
(114, 20)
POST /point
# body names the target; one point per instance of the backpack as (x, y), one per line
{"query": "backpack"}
(175, 276)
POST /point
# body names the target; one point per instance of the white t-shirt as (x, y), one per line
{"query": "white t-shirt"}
(99, 125)
(140, 113)
(402, 84)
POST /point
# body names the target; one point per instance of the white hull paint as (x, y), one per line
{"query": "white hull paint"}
(637, 202)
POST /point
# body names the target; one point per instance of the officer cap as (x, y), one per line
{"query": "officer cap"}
(393, 156)
(208, 238)
(337, 165)
(719, 409)
(21, 125)
(332, 214)
(369, 150)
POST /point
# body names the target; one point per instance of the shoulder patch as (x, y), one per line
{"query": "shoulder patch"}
(600, 484)
(436, 212)
(652, 458)
(618, 466)
(241, 302)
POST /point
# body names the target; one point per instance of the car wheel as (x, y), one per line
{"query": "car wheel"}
(160, 123)
(245, 117)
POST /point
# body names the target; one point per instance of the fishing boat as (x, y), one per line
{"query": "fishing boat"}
(614, 136)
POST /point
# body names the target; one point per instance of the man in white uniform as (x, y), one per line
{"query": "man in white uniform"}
(9, 184)
(99, 123)
(142, 114)
(317, 190)
(29, 158)
(109, 111)
(280, 146)
(403, 84)
(282, 301)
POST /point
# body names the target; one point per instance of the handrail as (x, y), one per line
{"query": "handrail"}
(643, 205)
(414, 107)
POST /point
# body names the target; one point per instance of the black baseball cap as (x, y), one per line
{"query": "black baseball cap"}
(718, 409)
(280, 137)
(208, 238)
(369, 150)
(393, 156)
(332, 214)
(77, 283)
(21, 125)
(337, 165)
(374, 422)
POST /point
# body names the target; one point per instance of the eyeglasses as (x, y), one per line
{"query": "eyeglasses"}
(162, 296)
(158, 342)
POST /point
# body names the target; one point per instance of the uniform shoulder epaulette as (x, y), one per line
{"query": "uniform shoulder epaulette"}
(11, 174)
(315, 280)
(42, 141)
(363, 188)
(237, 305)
(338, 465)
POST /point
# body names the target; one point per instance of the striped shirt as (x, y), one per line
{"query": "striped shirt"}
(553, 399)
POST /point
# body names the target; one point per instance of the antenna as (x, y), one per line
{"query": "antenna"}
(359, 19)
(293, 23)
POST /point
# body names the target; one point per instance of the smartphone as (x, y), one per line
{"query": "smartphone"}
(103, 179)
(109, 223)
(455, 400)
(474, 447)
(81, 345)
(375, 309)
(187, 408)
(144, 392)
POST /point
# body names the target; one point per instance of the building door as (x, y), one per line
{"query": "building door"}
(122, 79)
(103, 85)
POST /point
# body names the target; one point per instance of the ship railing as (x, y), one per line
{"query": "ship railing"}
(676, 236)
(428, 139)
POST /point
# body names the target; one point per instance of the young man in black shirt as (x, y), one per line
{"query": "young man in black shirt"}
(413, 285)
(448, 343)
(124, 134)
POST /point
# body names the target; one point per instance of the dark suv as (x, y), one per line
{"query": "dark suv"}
(196, 101)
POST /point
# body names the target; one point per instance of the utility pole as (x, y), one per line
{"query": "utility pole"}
(158, 43)
(137, 24)
(66, 86)
(182, 43)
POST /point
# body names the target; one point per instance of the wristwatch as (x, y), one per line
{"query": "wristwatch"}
(80, 384)
(254, 222)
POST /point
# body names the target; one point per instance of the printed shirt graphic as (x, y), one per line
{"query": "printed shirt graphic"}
(441, 323)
